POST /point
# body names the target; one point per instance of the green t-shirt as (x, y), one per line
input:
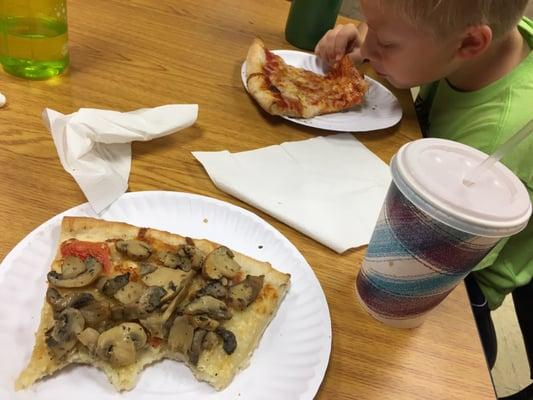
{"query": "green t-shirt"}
(484, 119)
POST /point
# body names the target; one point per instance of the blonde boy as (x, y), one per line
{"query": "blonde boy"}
(474, 64)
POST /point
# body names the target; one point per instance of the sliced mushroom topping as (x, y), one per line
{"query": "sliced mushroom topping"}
(220, 263)
(172, 280)
(89, 337)
(196, 255)
(204, 322)
(147, 303)
(117, 313)
(151, 298)
(230, 342)
(169, 259)
(115, 349)
(59, 349)
(94, 269)
(75, 300)
(190, 256)
(215, 289)
(134, 249)
(244, 293)
(146, 268)
(180, 335)
(54, 298)
(137, 311)
(186, 257)
(154, 323)
(61, 338)
(96, 313)
(130, 293)
(72, 267)
(211, 339)
(78, 300)
(118, 345)
(109, 286)
(160, 323)
(135, 333)
(127, 312)
(196, 346)
(215, 308)
(69, 323)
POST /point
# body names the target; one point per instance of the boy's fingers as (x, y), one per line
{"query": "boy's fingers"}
(333, 44)
(337, 42)
(346, 40)
(325, 49)
(320, 48)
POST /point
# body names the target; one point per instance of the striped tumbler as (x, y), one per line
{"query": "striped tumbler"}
(432, 231)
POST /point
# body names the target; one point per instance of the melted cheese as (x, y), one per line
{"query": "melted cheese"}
(311, 93)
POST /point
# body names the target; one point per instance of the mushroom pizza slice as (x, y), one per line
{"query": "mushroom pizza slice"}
(120, 297)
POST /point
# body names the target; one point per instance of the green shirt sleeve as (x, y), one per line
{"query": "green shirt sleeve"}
(507, 266)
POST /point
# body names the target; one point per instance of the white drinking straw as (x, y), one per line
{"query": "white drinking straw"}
(473, 175)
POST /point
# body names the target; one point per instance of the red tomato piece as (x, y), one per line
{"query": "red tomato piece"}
(82, 249)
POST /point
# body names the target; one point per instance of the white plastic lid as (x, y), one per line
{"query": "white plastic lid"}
(497, 204)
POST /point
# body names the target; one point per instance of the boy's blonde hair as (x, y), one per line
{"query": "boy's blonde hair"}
(448, 16)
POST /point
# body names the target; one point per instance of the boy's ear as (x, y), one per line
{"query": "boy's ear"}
(475, 40)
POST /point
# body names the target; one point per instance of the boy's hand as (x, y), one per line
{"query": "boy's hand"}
(341, 40)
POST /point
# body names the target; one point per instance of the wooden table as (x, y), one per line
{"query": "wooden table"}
(128, 54)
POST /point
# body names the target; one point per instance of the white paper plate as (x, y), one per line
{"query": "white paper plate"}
(380, 108)
(291, 358)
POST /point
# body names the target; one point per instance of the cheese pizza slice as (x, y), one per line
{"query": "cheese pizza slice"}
(282, 89)
(121, 297)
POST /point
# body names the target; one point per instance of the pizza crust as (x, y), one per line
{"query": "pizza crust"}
(256, 80)
(214, 366)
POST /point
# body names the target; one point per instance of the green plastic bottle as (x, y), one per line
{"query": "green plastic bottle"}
(309, 20)
(34, 38)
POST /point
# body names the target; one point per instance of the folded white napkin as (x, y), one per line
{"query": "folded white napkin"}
(329, 188)
(94, 146)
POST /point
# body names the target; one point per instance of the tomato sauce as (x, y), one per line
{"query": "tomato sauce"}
(82, 249)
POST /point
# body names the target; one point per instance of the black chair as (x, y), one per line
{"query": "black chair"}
(484, 323)
(523, 303)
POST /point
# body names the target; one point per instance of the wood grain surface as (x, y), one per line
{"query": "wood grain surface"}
(129, 54)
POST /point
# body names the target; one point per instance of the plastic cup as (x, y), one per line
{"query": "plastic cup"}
(433, 229)
(34, 38)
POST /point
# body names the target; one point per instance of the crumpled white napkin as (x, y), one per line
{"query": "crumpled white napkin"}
(329, 188)
(94, 146)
